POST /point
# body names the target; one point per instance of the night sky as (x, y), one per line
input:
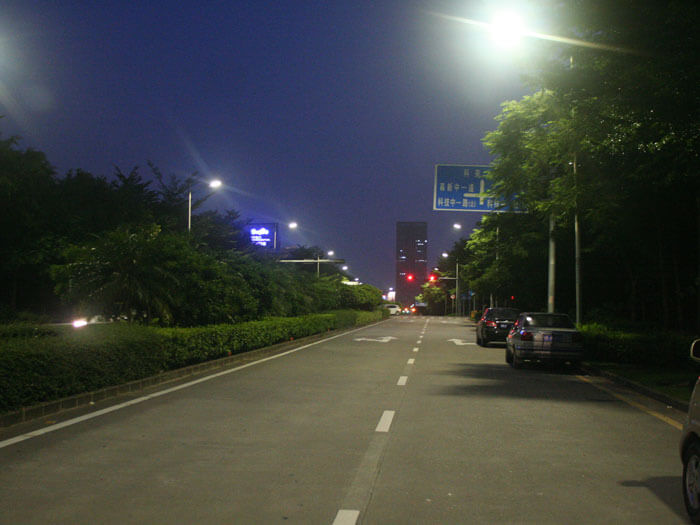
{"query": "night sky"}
(329, 113)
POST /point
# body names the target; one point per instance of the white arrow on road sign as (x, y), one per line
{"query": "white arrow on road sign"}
(460, 342)
(384, 339)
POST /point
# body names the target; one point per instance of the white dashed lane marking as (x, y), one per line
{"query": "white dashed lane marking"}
(346, 517)
(385, 421)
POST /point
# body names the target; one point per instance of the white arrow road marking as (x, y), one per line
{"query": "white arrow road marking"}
(460, 342)
(384, 339)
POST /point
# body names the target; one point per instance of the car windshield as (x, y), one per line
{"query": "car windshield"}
(549, 321)
(503, 313)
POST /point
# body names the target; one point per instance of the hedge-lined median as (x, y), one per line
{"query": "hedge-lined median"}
(59, 363)
(657, 348)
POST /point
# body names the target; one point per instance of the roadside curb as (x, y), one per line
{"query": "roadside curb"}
(58, 406)
(649, 392)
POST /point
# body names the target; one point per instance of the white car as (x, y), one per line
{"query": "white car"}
(393, 308)
(690, 447)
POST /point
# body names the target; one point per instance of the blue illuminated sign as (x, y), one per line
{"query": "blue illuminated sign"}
(264, 235)
(463, 188)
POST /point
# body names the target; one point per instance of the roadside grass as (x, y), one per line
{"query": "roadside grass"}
(676, 382)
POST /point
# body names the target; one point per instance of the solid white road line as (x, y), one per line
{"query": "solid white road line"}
(346, 517)
(385, 421)
(402, 381)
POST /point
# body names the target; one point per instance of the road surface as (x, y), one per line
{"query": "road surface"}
(404, 421)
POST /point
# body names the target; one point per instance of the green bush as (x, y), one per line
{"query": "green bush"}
(602, 343)
(37, 369)
(8, 331)
(34, 370)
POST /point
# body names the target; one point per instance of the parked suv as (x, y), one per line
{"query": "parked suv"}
(495, 324)
(690, 447)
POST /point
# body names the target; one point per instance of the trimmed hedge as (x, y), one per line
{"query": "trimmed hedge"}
(37, 369)
(647, 348)
(9, 331)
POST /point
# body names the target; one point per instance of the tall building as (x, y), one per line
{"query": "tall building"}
(411, 260)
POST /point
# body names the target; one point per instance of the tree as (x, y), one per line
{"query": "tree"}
(27, 191)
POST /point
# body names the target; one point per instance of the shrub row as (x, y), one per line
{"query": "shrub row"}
(602, 343)
(38, 369)
(8, 331)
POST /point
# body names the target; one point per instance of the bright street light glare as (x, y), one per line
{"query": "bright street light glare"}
(445, 255)
(457, 226)
(507, 28)
(293, 225)
(79, 323)
(216, 183)
(331, 253)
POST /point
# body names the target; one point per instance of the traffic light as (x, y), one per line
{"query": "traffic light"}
(432, 277)
(410, 277)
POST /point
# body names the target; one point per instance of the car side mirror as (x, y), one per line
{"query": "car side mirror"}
(695, 350)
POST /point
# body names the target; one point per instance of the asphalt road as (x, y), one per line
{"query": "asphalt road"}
(405, 421)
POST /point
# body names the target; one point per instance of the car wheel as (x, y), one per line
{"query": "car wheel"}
(479, 340)
(509, 356)
(691, 481)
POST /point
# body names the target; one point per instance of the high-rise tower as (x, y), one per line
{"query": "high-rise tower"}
(411, 260)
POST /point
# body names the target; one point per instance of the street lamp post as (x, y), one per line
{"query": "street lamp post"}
(214, 184)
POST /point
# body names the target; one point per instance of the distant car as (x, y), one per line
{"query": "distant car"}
(495, 324)
(548, 337)
(393, 308)
(690, 447)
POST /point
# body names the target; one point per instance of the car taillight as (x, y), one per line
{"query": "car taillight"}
(525, 336)
(492, 324)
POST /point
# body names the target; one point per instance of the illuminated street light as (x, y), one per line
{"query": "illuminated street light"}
(507, 28)
(293, 225)
(214, 185)
(331, 253)
(457, 226)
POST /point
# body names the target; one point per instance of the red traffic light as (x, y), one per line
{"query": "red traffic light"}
(432, 278)
(410, 277)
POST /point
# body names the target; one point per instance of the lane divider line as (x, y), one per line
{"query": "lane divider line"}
(346, 517)
(415, 349)
(114, 408)
(402, 381)
(385, 421)
(410, 361)
(632, 403)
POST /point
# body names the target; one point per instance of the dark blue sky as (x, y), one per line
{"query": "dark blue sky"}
(329, 113)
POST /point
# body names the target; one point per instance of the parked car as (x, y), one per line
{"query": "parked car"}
(537, 336)
(495, 324)
(690, 447)
(393, 308)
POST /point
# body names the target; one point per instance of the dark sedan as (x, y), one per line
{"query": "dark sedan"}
(495, 324)
(544, 337)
